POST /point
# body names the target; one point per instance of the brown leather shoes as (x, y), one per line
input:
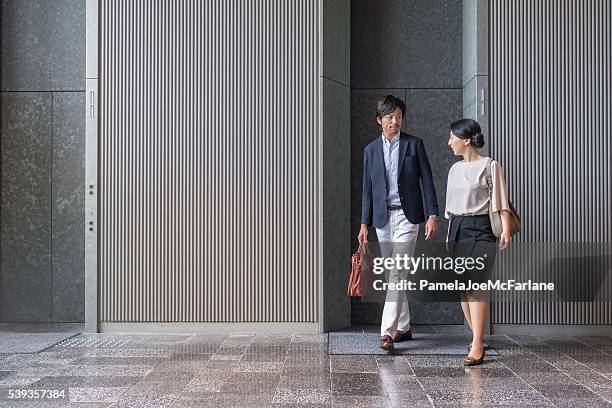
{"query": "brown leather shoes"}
(402, 336)
(386, 343)
(471, 361)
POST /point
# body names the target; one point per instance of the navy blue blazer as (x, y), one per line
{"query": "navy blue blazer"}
(414, 171)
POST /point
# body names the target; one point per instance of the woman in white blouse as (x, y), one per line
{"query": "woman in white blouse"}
(467, 206)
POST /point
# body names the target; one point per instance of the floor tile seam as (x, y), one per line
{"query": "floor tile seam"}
(286, 356)
(519, 344)
(142, 379)
(543, 340)
(418, 380)
(331, 380)
(528, 384)
(546, 359)
(586, 386)
(562, 372)
(571, 337)
(579, 363)
(579, 341)
(575, 361)
(282, 370)
(530, 351)
(221, 346)
(591, 346)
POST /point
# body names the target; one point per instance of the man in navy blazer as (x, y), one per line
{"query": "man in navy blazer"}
(396, 178)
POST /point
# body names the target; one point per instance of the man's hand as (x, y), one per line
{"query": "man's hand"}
(431, 228)
(363, 234)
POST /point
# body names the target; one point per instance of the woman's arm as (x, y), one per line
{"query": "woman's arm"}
(504, 238)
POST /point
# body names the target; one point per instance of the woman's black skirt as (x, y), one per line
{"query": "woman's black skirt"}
(472, 236)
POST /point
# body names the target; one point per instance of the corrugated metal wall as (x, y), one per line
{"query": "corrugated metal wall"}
(209, 161)
(550, 128)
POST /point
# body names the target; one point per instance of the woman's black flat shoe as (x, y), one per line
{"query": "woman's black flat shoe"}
(471, 361)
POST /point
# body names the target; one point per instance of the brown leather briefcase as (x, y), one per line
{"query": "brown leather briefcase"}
(360, 280)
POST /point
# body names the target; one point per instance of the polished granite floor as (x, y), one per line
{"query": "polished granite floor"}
(286, 370)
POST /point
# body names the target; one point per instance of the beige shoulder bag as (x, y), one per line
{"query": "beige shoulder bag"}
(496, 222)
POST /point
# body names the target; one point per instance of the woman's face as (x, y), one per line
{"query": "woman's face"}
(458, 146)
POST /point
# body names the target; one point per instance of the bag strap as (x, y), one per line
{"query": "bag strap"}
(363, 248)
(489, 178)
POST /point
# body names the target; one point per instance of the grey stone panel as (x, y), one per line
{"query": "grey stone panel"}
(475, 39)
(420, 313)
(400, 44)
(482, 43)
(473, 107)
(366, 312)
(428, 115)
(68, 206)
(436, 313)
(337, 40)
(470, 51)
(25, 211)
(429, 112)
(470, 102)
(336, 204)
(43, 45)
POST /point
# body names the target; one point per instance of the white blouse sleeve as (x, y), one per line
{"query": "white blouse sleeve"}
(449, 182)
(500, 192)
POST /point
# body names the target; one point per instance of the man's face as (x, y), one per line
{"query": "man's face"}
(392, 122)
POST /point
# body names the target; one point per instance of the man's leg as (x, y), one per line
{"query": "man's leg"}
(390, 311)
(393, 302)
(405, 235)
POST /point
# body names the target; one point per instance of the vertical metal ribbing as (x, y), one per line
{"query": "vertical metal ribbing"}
(209, 161)
(549, 128)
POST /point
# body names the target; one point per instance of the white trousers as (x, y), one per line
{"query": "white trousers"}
(397, 237)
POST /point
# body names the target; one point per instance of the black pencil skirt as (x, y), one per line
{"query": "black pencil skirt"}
(472, 236)
(471, 228)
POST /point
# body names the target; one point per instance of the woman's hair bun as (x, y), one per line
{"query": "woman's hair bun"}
(478, 140)
(468, 129)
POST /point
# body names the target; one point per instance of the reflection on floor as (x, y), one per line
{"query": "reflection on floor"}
(274, 370)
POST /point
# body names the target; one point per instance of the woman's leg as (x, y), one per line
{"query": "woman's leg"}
(465, 306)
(478, 312)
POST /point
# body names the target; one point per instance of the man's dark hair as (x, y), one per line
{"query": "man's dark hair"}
(388, 104)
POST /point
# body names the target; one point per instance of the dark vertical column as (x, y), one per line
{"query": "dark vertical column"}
(335, 94)
(42, 84)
